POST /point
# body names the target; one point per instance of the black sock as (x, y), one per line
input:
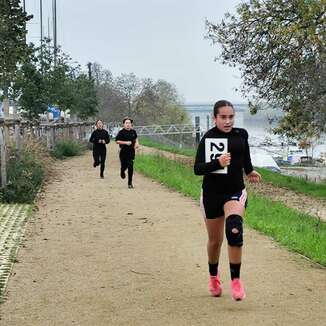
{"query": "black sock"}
(212, 269)
(235, 270)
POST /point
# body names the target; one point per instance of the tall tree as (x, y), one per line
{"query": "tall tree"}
(146, 110)
(85, 101)
(101, 76)
(280, 48)
(13, 48)
(111, 102)
(40, 83)
(30, 89)
(130, 87)
(146, 100)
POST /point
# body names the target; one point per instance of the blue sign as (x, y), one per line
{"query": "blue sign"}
(55, 111)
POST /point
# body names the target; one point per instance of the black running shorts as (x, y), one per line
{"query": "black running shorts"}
(212, 205)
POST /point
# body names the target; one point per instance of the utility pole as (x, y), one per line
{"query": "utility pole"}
(41, 23)
(54, 10)
(49, 28)
(89, 65)
(24, 9)
(41, 19)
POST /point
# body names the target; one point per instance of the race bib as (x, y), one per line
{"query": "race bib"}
(214, 148)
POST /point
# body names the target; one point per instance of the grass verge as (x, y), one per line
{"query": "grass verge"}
(317, 190)
(298, 232)
(183, 151)
(297, 184)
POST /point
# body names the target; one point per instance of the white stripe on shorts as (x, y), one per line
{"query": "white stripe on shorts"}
(243, 197)
(201, 204)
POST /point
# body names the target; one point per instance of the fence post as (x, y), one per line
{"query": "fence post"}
(6, 133)
(80, 132)
(71, 131)
(77, 129)
(74, 132)
(3, 160)
(53, 135)
(48, 137)
(197, 126)
(17, 136)
(66, 132)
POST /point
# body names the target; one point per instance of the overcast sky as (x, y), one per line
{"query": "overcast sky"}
(152, 38)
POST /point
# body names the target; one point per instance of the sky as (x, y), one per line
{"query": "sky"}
(159, 39)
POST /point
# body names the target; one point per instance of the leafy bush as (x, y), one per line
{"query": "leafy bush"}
(25, 173)
(67, 148)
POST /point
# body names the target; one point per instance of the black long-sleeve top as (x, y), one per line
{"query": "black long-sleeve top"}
(216, 178)
(127, 151)
(99, 134)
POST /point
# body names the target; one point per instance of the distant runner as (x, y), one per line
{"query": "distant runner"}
(128, 142)
(99, 137)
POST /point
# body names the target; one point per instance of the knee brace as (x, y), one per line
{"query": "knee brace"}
(234, 230)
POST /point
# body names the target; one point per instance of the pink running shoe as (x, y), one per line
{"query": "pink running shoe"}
(214, 286)
(237, 289)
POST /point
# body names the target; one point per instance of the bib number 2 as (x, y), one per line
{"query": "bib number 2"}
(214, 148)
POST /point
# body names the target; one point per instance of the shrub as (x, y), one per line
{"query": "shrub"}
(67, 148)
(25, 173)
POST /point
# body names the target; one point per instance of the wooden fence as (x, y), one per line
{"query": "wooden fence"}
(14, 131)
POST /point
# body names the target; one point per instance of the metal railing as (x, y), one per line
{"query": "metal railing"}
(172, 129)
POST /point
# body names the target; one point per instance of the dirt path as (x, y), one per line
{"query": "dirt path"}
(97, 253)
(301, 202)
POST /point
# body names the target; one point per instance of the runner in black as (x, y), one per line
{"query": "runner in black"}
(222, 156)
(128, 141)
(99, 137)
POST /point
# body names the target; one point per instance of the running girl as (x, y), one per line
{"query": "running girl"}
(128, 142)
(99, 137)
(222, 155)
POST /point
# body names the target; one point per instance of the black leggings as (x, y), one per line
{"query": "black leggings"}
(127, 163)
(99, 156)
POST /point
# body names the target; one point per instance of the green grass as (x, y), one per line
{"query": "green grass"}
(297, 184)
(171, 173)
(67, 148)
(183, 151)
(298, 232)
